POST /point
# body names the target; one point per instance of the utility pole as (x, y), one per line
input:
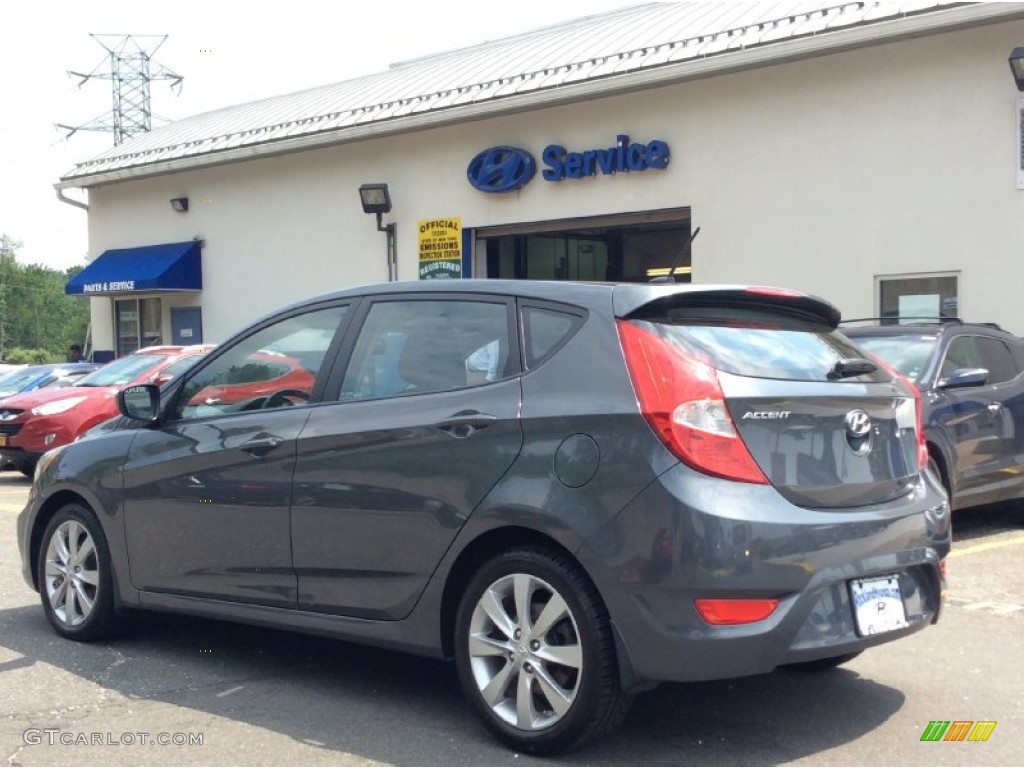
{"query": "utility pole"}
(131, 70)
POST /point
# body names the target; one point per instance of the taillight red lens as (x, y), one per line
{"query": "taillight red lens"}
(734, 611)
(681, 399)
(922, 443)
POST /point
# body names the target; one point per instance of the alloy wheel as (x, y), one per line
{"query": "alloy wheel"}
(71, 574)
(524, 652)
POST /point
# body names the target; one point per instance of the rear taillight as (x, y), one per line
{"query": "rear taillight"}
(922, 444)
(681, 399)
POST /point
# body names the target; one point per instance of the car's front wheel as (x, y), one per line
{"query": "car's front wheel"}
(535, 653)
(74, 576)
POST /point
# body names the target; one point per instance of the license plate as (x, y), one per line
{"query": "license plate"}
(3, 440)
(878, 605)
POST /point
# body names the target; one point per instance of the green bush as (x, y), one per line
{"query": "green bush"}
(19, 355)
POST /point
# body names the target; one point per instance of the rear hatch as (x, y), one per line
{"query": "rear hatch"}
(757, 385)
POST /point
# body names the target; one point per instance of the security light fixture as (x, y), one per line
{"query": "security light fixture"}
(1017, 67)
(180, 204)
(376, 199)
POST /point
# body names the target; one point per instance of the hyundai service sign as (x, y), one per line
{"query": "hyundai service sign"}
(505, 169)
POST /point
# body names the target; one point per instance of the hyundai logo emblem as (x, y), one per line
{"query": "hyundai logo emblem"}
(501, 169)
(858, 423)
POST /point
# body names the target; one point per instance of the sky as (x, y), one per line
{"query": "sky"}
(228, 52)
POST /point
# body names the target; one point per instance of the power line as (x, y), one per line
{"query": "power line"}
(131, 71)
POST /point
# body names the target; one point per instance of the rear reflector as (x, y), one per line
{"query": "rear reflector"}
(734, 611)
(681, 399)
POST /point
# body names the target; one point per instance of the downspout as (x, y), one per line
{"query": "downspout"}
(64, 199)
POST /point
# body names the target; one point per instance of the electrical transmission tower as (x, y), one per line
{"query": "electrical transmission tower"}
(131, 70)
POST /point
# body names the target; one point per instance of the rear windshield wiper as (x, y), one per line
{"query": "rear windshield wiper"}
(851, 366)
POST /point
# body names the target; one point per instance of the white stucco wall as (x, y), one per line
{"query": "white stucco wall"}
(818, 175)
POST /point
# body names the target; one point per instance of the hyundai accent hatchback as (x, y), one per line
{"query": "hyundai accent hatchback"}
(575, 491)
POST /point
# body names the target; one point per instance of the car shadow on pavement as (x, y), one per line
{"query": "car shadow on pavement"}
(406, 710)
(982, 522)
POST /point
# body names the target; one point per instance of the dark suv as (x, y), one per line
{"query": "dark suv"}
(972, 379)
(573, 490)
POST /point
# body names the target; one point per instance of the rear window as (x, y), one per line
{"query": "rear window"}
(760, 343)
(909, 354)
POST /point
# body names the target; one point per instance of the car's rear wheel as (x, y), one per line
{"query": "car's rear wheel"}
(535, 653)
(74, 576)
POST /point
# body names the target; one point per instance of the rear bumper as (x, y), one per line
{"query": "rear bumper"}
(731, 540)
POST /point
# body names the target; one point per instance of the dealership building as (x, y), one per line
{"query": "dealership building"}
(870, 153)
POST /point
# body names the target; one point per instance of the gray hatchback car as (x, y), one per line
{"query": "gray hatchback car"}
(576, 491)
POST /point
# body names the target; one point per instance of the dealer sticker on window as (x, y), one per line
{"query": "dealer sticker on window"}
(878, 605)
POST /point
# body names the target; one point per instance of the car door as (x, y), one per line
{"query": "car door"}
(426, 422)
(969, 416)
(1003, 463)
(207, 493)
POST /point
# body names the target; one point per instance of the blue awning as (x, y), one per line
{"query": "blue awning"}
(166, 267)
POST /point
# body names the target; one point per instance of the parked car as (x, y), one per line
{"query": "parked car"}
(574, 490)
(31, 377)
(972, 379)
(32, 423)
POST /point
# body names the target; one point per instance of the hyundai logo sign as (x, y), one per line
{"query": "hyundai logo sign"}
(501, 169)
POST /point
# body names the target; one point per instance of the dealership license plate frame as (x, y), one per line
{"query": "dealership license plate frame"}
(878, 605)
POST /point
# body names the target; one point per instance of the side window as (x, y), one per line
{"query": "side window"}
(544, 330)
(428, 346)
(275, 367)
(997, 358)
(961, 353)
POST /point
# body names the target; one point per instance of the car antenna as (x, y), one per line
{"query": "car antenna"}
(671, 276)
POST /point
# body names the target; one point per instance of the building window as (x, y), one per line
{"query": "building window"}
(138, 324)
(906, 298)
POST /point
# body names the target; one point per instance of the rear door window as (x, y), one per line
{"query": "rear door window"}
(427, 345)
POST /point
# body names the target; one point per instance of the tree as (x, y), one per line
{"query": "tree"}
(36, 317)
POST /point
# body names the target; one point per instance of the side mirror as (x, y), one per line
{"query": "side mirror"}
(964, 377)
(140, 403)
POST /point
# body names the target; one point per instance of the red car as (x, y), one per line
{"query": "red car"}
(32, 423)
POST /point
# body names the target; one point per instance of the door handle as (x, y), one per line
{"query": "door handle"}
(463, 425)
(261, 446)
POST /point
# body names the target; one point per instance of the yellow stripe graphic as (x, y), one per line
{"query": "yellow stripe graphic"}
(982, 730)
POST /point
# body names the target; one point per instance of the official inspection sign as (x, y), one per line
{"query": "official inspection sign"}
(440, 248)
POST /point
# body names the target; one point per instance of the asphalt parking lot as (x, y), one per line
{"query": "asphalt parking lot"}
(221, 694)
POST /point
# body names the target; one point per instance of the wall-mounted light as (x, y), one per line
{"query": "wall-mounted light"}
(377, 199)
(180, 204)
(1017, 67)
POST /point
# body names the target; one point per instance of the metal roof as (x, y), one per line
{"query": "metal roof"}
(542, 66)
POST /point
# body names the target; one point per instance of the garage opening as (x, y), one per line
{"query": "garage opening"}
(624, 248)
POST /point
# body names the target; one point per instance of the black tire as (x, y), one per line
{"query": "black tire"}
(824, 665)
(79, 606)
(27, 468)
(933, 467)
(502, 661)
